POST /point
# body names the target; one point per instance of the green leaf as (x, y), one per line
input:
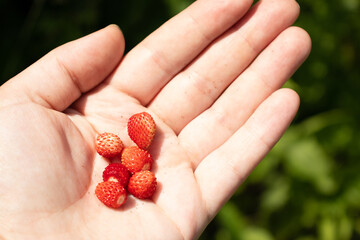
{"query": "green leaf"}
(256, 233)
(231, 218)
(327, 229)
(307, 161)
(276, 195)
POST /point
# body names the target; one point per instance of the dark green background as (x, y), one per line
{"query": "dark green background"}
(308, 187)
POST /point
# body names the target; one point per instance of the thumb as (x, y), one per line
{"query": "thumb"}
(60, 77)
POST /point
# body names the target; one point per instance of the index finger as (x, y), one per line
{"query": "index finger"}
(152, 63)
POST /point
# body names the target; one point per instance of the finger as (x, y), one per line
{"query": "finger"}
(196, 88)
(61, 76)
(267, 73)
(221, 172)
(151, 64)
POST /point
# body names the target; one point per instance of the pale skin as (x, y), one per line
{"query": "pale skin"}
(210, 77)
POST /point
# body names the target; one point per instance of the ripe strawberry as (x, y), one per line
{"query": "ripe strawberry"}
(108, 145)
(142, 184)
(141, 129)
(112, 194)
(136, 159)
(116, 172)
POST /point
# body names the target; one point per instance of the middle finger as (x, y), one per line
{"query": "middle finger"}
(200, 84)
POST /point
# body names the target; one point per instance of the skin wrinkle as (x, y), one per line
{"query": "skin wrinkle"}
(207, 86)
(186, 166)
(78, 180)
(159, 59)
(36, 97)
(71, 76)
(204, 86)
(32, 222)
(172, 221)
(33, 98)
(259, 77)
(74, 168)
(250, 45)
(207, 215)
(205, 37)
(276, 11)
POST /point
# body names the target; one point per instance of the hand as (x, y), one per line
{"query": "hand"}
(210, 78)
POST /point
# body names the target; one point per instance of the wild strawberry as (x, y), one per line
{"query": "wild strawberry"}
(108, 145)
(136, 159)
(112, 194)
(142, 184)
(116, 172)
(141, 129)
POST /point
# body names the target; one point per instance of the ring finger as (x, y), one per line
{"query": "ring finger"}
(265, 75)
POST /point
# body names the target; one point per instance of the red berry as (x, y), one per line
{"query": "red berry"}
(141, 129)
(112, 194)
(108, 145)
(116, 172)
(142, 184)
(136, 159)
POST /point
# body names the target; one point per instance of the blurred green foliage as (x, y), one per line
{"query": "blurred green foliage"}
(308, 187)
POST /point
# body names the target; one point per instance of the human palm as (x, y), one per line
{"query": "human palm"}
(209, 77)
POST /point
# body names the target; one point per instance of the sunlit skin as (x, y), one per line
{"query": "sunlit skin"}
(210, 77)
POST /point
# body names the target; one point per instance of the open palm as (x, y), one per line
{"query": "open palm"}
(209, 77)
